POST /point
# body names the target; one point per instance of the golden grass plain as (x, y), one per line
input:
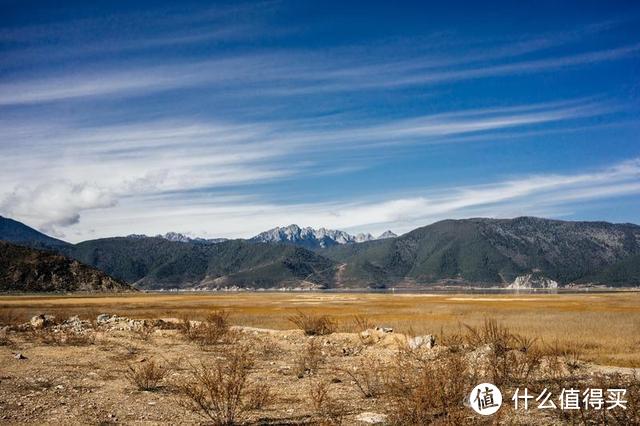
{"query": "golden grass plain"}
(606, 326)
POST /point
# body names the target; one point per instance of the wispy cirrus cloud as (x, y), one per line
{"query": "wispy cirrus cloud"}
(178, 157)
(284, 74)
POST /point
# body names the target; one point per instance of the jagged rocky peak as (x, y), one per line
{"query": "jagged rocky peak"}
(361, 238)
(178, 237)
(310, 237)
(387, 234)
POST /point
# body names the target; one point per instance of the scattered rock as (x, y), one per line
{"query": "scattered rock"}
(371, 418)
(428, 341)
(103, 318)
(42, 320)
(385, 329)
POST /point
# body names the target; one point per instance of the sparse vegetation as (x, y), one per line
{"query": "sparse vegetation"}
(429, 392)
(250, 376)
(259, 396)
(309, 361)
(8, 317)
(368, 377)
(361, 323)
(146, 375)
(325, 406)
(220, 393)
(313, 325)
(215, 329)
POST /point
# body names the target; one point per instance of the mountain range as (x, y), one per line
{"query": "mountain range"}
(478, 252)
(314, 238)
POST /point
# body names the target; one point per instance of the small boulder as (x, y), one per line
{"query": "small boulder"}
(102, 318)
(428, 341)
(41, 321)
(19, 356)
(37, 321)
(385, 329)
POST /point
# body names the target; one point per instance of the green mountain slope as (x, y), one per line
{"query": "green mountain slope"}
(623, 273)
(157, 263)
(488, 251)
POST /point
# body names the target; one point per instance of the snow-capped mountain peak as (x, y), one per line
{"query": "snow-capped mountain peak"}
(310, 237)
(387, 234)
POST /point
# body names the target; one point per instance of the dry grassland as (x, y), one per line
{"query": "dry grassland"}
(604, 326)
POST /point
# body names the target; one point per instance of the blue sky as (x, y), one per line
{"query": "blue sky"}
(226, 119)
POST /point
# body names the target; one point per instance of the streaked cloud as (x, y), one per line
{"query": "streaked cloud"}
(178, 157)
(543, 195)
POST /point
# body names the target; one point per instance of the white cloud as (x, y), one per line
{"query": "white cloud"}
(233, 217)
(73, 171)
(55, 204)
(288, 73)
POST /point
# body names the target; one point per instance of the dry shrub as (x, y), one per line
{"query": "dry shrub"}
(215, 329)
(324, 405)
(147, 375)
(8, 317)
(511, 359)
(144, 332)
(220, 393)
(313, 325)
(369, 378)
(5, 340)
(361, 323)
(310, 359)
(490, 333)
(259, 396)
(429, 392)
(453, 341)
(268, 348)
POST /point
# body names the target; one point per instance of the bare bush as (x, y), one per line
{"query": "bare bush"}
(144, 332)
(490, 333)
(215, 329)
(220, 393)
(147, 375)
(429, 392)
(571, 353)
(361, 323)
(310, 359)
(259, 396)
(5, 340)
(325, 406)
(368, 378)
(453, 341)
(313, 325)
(8, 317)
